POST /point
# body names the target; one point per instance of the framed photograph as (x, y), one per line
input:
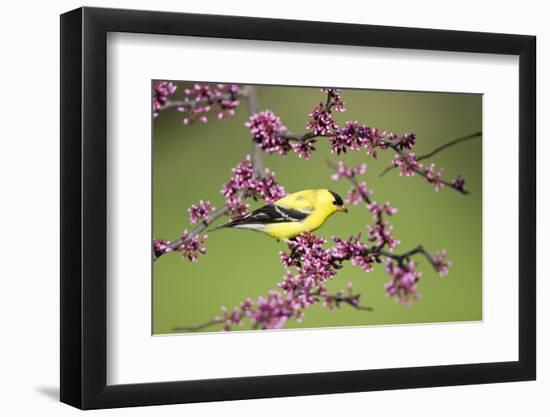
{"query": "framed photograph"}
(258, 208)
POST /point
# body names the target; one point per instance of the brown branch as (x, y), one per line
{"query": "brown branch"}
(437, 150)
(199, 228)
(401, 258)
(199, 327)
(351, 300)
(169, 104)
(254, 108)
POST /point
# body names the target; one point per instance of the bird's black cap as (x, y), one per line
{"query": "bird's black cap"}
(337, 199)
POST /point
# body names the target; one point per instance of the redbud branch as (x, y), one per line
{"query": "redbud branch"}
(194, 103)
(438, 149)
(449, 144)
(252, 98)
(254, 108)
(421, 172)
(401, 258)
(335, 298)
(199, 327)
(350, 300)
(198, 229)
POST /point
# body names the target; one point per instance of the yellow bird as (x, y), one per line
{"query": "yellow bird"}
(304, 211)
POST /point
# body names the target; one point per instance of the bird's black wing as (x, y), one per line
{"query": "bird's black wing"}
(271, 214)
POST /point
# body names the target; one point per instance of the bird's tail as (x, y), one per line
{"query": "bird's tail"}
(221, 226)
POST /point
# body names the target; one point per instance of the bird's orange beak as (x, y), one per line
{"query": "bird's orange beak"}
(343, 209)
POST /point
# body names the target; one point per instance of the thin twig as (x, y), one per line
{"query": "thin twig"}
(336, 298)
(254, 108)
(169, 104)
(401, 258)
(199, 327)
(198, 229)
(438, 149)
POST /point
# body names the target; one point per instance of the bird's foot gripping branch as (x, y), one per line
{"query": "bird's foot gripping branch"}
(308, 262)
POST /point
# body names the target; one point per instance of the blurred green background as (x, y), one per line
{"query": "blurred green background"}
(192, 162)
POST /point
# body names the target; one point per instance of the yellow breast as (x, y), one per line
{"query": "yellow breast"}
(293, 229)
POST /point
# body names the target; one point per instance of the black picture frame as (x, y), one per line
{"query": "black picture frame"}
(84, 207)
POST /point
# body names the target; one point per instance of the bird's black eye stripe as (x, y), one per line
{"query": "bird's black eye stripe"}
(337, 199)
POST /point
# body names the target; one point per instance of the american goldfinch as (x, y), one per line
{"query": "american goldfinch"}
(304, 211)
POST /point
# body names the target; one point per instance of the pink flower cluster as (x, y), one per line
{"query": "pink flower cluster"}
(458, 183)
(192, 246)
(407, 164)
(161, 246)
(200, 211)
(343, 171)
(359, 191)
(309, 266)
(243, 184)
(434, 177)
(321, 120)
(406, 141)
(265, 313)
(381, 233)
(441, 263)
(358, 194)
(355, 251)
(161, 91)
(313, 264)
(266, 129)
(402, 287)
(304, 149)
(222, 99)
(356, 137)
(334, 99)
(267, 188)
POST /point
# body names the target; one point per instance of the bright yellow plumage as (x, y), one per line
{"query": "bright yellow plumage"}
(303, 211)
(319, 205)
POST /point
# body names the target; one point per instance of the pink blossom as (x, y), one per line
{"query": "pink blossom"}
(161, 246)
(407, 163)
(192, 246)
(406, 141)
(267, 188)
(435, 177)
(334, 99)
(266, 130)
(304, 149)
(344, 171)
(236, 205)
(441, 264)
(355, 251)
(381, 234)
(358, 193)
(204, 98)
(321, 121)
(161, 91)
(378, 210)
(402, 287)
(199, 212)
